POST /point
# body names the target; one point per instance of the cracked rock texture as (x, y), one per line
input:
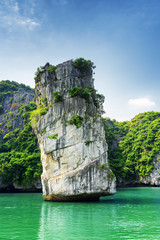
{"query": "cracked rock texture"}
(154, 177)
(74, 159)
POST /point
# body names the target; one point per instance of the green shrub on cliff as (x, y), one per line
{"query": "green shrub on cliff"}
(76, 120)
(37, 113)
(85, 66)
(87, 94)
(57, 97)
(38, 73)
(52, 68)
(81, 92)
(98, 99)
(53, 136)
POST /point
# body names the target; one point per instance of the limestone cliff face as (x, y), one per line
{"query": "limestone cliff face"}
(71, 136)
(153, 178)
(10, 119)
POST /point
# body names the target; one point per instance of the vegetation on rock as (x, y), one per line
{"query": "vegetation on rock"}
(85, 66)
(81, 92)
(76, 120)
(19, 154)
(52, 68)
(133, 145)
(36, 114)
(57, 97)
(53, 136)
(88, 94)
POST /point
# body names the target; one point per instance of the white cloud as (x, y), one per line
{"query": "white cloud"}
(27, 22)
(141, 102)
(11, 16)
(15, 7)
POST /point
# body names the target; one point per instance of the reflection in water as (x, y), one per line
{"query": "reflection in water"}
(127, 215)
(68, 221)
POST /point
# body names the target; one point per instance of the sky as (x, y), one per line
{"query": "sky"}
(121, 37)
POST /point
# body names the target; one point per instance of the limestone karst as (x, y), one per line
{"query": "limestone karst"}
(71, 134)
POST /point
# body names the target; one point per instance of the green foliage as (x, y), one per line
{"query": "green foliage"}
(85, 66)
(42, 111)
(57, 97)
(38, 73)
(43, 102)
(10, 100)
(81, 92)
(12, 86)
(52, 68)
(44, 130)
(76, 120)
(53, 136)
(20, 157)
(1, 109)
(103, 166)
(111, 175)
(7, 88)
(88, 94)
(40, 70)
(22, 98)
(98, 99)
(88, 143)
(9, 135)
(138, 142)
(37, 113)
(30, 107)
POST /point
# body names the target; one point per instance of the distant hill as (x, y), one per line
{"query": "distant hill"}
(20, 166)
(134, 148)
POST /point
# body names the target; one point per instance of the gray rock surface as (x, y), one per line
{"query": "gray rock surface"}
(154, 177)
(11, 107)
(75, 166)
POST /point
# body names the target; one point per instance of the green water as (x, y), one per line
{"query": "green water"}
(132, 213)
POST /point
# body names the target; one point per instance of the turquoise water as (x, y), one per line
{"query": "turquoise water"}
(132, 213)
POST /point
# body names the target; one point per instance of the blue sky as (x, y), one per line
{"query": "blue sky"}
(122, 38)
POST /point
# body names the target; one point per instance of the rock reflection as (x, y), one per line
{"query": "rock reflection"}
(75, 220)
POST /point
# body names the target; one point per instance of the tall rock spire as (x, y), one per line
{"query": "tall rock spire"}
(71, 134)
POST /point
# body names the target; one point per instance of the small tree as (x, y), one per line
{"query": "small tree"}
(85, 66)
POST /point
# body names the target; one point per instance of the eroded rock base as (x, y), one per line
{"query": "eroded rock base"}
(75, 198)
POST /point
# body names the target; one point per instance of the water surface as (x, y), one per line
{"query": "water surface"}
(132, 213)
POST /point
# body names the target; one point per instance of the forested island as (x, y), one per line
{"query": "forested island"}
(133, 146)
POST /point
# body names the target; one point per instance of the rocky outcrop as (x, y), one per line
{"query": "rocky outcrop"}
(10, 119)
(16, 103)
(17, 188)
(153, 178)
(71, 135)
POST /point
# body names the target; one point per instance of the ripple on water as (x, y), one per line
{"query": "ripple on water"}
(132, 213)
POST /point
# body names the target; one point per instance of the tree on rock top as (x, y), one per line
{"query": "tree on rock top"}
(85, 66)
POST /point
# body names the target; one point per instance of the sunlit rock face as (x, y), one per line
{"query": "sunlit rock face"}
(154, 177)
(71, 136)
